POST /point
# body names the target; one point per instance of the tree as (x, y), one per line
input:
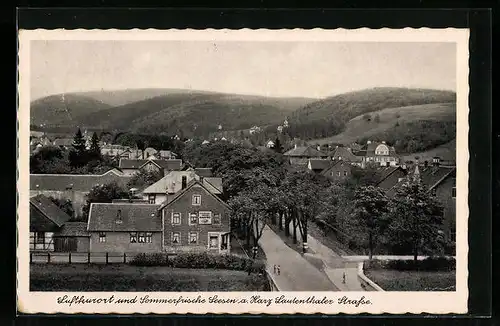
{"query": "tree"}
(143, 179)
(415, 220)
(78, 155)
(65, 205)
(95, 149)
(278, 148)
(104, 193)
(370, 208)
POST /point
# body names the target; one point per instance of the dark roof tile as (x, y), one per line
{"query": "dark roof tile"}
(78, 182)
(49, 209)
(134, 217)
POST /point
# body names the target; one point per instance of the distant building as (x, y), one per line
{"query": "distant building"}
(175, 181)
(74, 187)
(64, 143)
(270, 144)
(130, 167)
(301, 155)
(254, 130)
(280, 128)
(338, 170)
(378, 153)
(344, 154)
(205, 142)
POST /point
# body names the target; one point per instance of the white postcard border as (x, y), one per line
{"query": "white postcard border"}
(381, 302)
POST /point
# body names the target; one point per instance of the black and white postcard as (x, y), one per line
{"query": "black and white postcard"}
(243, 171)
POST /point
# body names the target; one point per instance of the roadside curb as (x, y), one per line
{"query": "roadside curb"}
(364, 278)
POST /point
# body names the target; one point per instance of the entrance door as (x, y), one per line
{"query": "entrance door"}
(65, 244)
(213, 241)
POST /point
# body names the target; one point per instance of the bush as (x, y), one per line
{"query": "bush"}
(199, 261)
(430, 264)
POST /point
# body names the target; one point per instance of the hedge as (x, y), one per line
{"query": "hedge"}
(431, 264)
(199, 261)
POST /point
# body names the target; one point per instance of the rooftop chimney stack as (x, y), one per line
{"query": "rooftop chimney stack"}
(184, 182)
(295, 146)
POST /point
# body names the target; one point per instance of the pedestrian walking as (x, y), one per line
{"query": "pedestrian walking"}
(278, 269)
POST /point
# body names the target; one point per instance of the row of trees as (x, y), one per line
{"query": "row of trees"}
(261, 189)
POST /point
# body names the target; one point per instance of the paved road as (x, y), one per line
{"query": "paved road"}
(296, 273)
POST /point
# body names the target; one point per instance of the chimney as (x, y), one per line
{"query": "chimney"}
(184, 182)
(295, 146)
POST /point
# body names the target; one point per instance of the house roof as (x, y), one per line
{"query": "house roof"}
(387, 171)
(134, 200)
(50, 210)
(432, 176)
(150, 150)
(193, 182)
(203, 172)
(173, 165)
(78, 182)
(134, 217)
(345, 154)
(334, 164)
(319, 164)
(305, 151)
(369, 149)
(63, 142)
(73, 229)
(173, 183)
(167, 153)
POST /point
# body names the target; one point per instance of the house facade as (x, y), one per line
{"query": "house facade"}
(378, 153)
(192, 220)
(124, 228)
(195, 220)
(73, 187)
(338, 170)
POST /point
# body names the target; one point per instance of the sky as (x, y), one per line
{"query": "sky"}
(278, 69)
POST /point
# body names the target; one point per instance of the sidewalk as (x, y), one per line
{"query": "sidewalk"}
(336, 266)
(296, 273)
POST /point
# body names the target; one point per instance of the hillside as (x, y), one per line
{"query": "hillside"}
(185, 112)
(126, 96)
(366, 126)
(346, 106)
(63, 109)
(447, 152)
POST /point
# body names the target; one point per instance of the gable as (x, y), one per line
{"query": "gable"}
(40, 222)
(183, 203)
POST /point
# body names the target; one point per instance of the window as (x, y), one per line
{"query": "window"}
(213, 241)
(217, 219)
(142, 237)
(433, 192)
(176, 237)
(196, 200)
(102, 237)
(149, 237)
(193, 219)
(453, 192)
(152, 199)
(193, 237)
(39, 237)
(338, 173)
(176, 218)
(345, 173)
(205, 217)
(133, 237)
(332, 174)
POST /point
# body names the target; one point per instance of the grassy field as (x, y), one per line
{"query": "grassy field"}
(393, 280)
(360, 127)
(127, 278)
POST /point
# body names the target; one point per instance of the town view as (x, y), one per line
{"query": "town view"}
(178, 189)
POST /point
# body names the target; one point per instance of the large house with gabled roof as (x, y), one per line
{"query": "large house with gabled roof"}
(194, 219)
